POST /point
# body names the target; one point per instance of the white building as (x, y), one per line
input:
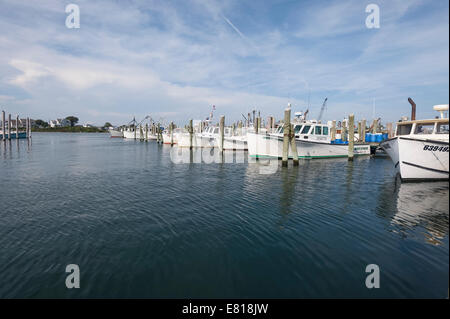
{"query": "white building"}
(59, 123)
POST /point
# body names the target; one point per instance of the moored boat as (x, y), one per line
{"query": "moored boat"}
(115, 132)
(419, 149)
(313, 140)
(21, 134)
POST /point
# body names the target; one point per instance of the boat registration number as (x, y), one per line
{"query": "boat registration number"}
(435, 148)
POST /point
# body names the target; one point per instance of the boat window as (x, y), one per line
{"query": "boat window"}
(297, 129)
(426, 128)
(404, 129)
(305, 129)
(216, 130)
(325, 130)
(280, 129)
(442, 128)
(318, 130)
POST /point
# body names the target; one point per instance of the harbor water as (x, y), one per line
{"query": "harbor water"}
(139, 225)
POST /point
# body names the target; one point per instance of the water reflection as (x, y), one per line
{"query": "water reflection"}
(423, 205)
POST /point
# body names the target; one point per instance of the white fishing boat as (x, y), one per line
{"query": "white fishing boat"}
(113, 132)
(132, 133)
(209, 138)
(313, 140)
(167, 138)
(205, 139)
(419, 149)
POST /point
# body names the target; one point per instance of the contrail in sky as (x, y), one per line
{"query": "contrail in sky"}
(235, 29)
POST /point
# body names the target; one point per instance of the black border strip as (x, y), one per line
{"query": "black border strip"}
(427, 168)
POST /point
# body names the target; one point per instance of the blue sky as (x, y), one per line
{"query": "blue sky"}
(174, 59)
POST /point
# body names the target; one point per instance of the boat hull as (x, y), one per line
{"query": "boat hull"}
(166, 138)
(234, 143)
(197, 141)
(13, 135)
(263, 145)
(417, 160)
(116, 134)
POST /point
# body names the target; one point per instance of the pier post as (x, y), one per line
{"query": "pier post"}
(344, 131)
(191, 132)
(374, 126)
(359, 131)
(17, 127)
(146, 132)
(29, 127)
(9, 126)
(171, 133)
(333, 130)
(240, 127)
(221, 132)
(286, 133)
(293, 145)
(158, 129)
(390, 130)
(363, 130)
(141, 133)
(135, 128)
(3, 125)
(351, 136)
(257, 125)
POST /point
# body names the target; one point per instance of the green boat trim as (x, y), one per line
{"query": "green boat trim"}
(303, 157)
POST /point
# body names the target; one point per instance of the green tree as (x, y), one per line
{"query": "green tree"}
(72, 119)
(107, 124)
(41, 123)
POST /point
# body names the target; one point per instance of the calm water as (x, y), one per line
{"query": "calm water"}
(139, 225)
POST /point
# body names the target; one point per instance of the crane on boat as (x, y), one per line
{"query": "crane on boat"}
(322, 109)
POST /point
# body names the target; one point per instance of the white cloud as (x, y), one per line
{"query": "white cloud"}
(158, 57)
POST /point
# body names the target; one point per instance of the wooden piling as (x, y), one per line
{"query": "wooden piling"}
(293, 145)
(157, 133)
(221, 132)
(351, 136)
(9, 126)
(171, 133)
(146, 132)
(29, 127)
(333, 130)
(286, 131)
(191, 133)
(3, 125)
(257, 125)
(390, 130)
(17, 127)
(359, 131)
(363, 130)
(344, 132)
(374, 126)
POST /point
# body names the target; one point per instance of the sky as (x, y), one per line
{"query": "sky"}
(173, 60)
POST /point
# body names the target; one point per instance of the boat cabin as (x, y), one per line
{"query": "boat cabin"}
(309, 131)
(213, 131)
(435, 128)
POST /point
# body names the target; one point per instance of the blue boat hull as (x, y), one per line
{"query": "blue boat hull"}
(13, 135)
